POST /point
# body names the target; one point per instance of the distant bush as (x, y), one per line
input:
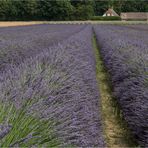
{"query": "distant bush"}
(105, 18)
(135, 19)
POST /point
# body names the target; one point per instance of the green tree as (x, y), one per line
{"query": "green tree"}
(7, 10)
(135, 6)
(83, 12)
(83, 9)
(30, 8)
(65, 9)
(61, 10)
(55, 10)
(101, 6)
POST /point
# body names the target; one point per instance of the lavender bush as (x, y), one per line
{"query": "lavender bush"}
(51, 99)
(18, 43)
(125, 53)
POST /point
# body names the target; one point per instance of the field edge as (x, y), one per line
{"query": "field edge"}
(115, 129)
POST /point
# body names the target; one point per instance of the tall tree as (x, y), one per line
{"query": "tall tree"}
(101, 6)
(30, 8)
(65, 9)
(135, 6)
(83, 9)
(54, 10)
(61, 10)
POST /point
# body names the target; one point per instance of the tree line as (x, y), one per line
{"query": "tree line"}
(65, 9)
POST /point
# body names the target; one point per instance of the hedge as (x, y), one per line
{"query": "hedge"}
(105, 18)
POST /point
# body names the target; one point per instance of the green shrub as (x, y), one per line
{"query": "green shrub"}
(105, 18)
(135, 19)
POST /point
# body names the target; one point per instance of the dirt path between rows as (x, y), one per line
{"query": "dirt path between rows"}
(20, 23)
(115, 129)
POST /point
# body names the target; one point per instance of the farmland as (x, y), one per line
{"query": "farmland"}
(74, 85)
(125, 54)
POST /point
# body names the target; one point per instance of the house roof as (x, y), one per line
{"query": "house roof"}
(111, 11)
(134, 15)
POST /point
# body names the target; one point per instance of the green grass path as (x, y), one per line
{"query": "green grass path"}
(115, 129)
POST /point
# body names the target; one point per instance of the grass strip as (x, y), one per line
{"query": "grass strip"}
(116, 131)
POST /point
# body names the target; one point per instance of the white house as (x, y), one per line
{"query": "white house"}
(110, 12)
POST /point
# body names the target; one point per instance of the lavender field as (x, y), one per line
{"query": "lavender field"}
(125, 53)
(49, 92)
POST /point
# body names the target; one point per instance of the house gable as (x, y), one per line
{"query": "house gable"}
(110, 12)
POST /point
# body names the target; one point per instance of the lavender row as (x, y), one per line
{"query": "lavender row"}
(18, 43)
(126, 59)
(137, 27)
(60, 82)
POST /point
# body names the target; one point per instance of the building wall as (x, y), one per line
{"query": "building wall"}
(108, 14)
(134, 16)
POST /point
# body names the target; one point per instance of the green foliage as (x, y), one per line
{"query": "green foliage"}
(54, 10)
(101, 7)
(83, 12)
(5, 11)
(65, 9)
(46, 10)
(135, 6)
(26, 130)
(121, 6)
(62, 10)
(106, 18)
